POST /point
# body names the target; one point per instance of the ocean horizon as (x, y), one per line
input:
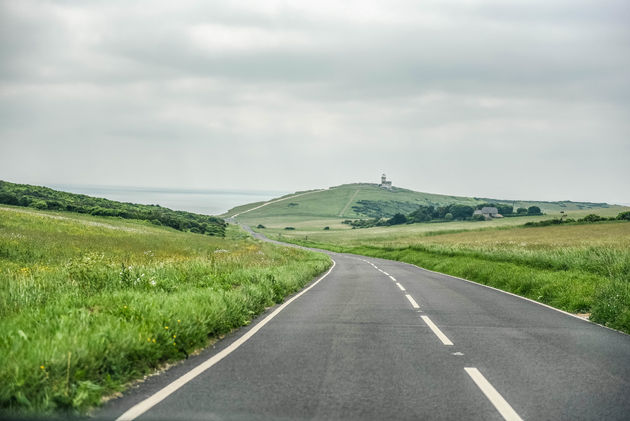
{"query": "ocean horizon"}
(207, 202)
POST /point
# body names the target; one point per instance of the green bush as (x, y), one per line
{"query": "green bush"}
(534, 210)
(592, 218)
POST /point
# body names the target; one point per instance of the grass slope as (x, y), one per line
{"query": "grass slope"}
(329, 207)
(88, 304)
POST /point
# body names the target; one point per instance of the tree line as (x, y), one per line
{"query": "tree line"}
(45, 198)
(452, 212)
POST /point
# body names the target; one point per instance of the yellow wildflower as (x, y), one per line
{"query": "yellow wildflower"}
(166, 327)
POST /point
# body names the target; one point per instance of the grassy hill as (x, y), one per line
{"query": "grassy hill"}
(44, 198)
(318, 208)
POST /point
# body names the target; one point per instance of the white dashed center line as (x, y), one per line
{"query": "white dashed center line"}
(412, 301)
(501, 405)
(437, 331)
(504, 408)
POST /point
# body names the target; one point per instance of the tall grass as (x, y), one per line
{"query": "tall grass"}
(88, 304)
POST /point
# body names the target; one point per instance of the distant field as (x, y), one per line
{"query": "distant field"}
(88, 303)
(339, 233)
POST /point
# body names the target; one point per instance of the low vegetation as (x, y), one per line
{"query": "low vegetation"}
(88, 304)
(448, 213)
(44, 198)
(588, 219)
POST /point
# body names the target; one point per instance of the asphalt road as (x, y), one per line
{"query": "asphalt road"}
(378, 340)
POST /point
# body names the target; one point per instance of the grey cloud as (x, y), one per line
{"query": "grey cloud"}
(263, 89)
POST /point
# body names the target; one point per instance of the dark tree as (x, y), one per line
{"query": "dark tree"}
(624, 216)
(505, 209)
(461, 211)
(534, 210)
(397, 219)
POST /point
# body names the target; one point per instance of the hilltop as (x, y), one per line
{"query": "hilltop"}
(44, 198)
(365, 200)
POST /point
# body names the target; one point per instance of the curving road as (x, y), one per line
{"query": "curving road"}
(377, 339)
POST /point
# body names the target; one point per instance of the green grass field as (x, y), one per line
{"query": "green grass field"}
(88, 304)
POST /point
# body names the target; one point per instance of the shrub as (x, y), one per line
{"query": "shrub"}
(521, 211)
(461, 211)
(326, 228)
(534, 210)
(448, 216)
(397, 219)
(38, 204)
(592, 218)
(624, 216)
(289, 228)
(261, 226)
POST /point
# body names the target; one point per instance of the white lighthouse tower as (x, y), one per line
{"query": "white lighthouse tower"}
(385, 183)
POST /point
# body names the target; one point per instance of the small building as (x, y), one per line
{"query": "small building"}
(386, 184)
(488, 212)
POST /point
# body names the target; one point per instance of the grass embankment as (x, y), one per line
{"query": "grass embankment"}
(88, 304)
(577, 268)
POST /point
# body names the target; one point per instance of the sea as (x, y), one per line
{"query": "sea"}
(207, 202)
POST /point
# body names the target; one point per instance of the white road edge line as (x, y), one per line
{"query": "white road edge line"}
(504, 408)
(143, 406)
(402, 288)
(385, 273)
(392, 278)
(436, 330)
(412, 301)
(512, 294)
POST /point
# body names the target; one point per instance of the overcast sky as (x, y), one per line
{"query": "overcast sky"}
(507, 99)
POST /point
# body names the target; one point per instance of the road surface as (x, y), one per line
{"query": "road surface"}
(377, 339)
